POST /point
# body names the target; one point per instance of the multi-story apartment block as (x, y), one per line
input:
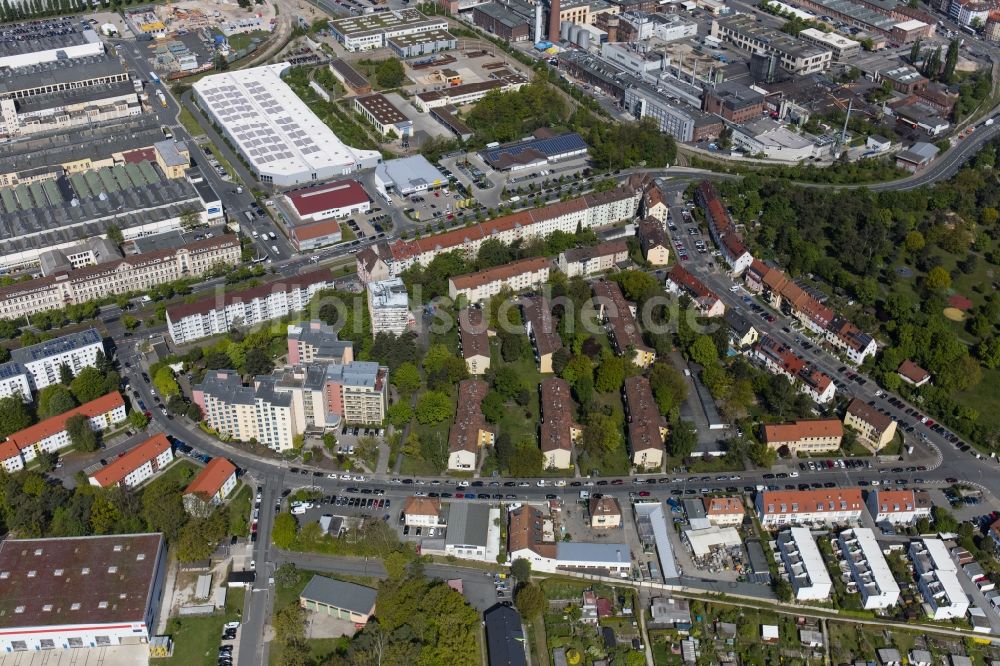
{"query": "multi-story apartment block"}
(869, 570)
(15, 380)
(780, 359)
(619, 320)
(540, 325)
(586, 212)
(212, 316)
(358, 392)
(776, 508)
(517, 276)
(874, 429)
(471, 432)
(937, 580)
(804, 565)
(808, 435)
(654, 241)
(475, 340)
(389, 307)
(316, 342)
(50, 435)
(213, 485)
(797, 56)
(647, 429)
(558, 431)
(40, 363)
(589, 260)
(139, 464)
(723, 230)
(899, 507)
(242, 413)
(841, 48)
(705, 301)
(136, 273)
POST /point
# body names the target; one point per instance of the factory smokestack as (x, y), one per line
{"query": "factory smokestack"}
(554, 21)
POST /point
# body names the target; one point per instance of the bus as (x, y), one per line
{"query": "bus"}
(154, 78)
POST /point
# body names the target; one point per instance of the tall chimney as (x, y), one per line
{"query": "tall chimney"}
(554, 21)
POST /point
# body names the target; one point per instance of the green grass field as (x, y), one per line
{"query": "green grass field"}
(190, 123)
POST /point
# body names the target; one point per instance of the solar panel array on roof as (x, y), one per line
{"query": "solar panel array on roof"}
(556, 145)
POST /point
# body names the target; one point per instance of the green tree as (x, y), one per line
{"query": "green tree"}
(257, 362)
(506, 381)
(114, 234)
(285, 530)
(90, 384)
(703, 351)
(527, 459)
(406, 378)
(163, 508)
(434, 407)
(190, 219)
(914, 241)
(289, 624)
(65, 374)
(53, 400)
(938, 279)
(81, 436)
(493, 407)
(668, 385)
(138, 420)
(389, 73)
(530, 601)
(683, 439)
(14, 415)
(520, 569)
(165, 383)
(610, 373)
(399, 414)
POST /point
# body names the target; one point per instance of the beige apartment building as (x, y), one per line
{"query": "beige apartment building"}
(132, 274)
(875, 430)
(517, 276)
(807, 436)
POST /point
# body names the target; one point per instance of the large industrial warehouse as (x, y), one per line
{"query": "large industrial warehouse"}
(80, 592)
(282, 140)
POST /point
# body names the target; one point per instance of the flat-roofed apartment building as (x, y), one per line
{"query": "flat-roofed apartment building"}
(806, 435)
(841, 48)
(874, 429)
(517, 276)
(470, 432)
(618, 315)
(647, 428)
(475, 340)
(937, 580)
(50, 435)
(804, 565)
(869, 570)
(389, 306)
(135, 273)
(383, 115)
(797, 56)
(558, 432)
(541, 327)
(80, 592)
(316, 342)
(137, 465)
(776, 508)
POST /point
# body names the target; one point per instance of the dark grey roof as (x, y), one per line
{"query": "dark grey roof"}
(468, 524)
(337, 593)
(58, 72)
(738, 322)
(63, 98)
(59, 345)
(226, 385)
(504, 637)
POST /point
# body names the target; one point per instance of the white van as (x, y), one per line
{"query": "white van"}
(298, 510)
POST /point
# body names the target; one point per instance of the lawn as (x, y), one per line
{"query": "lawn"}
(197, 639)
(239, 512)
(241, 41)
(189, 122)
(320, 649)
(346, 234)
(984, 398)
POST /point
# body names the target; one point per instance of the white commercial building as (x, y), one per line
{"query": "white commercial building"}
(48, 40)
(473, 532)
(370, 31)
(841, 47)
(767, 137)
(389, 307)
(869, 570)
(138, 464)
(530, 536)
(43, 360)
(705, 540)
(944, 597)
(407, 175)
(804, 565)
(279, 136)
(211, 316)
(80, 592)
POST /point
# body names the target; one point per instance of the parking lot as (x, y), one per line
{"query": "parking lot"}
(435, 205)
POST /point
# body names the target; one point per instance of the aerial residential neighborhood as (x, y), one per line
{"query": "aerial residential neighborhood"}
(559, 332)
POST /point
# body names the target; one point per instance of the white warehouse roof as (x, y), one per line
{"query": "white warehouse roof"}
(274, 130)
